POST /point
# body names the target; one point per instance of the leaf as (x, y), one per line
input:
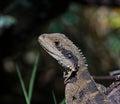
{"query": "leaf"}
(63, 101)
(22, 85)
(54, 98)
(32, 79)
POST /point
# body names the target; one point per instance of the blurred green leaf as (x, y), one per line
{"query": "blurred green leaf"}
(54, 98)
(70, 18)
(114, 19)
(7, 21)
(114, 42)
(32, 79)
(74, 7)
(55, 26)
(22, 85)
(63, 101)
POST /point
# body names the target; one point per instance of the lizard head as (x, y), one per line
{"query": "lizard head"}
(62, 49)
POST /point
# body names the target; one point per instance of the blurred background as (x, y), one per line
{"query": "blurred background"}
(94, 26)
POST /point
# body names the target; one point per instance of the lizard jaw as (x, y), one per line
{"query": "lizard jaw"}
(58, 58)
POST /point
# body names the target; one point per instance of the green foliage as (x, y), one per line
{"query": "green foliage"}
(55, 101)
(74, 7)
(32, 80)
(63, 101)
(114, 42)
(54, 98)
(7, 21)
(114, 19)
(55, 26)
(22, 85)
(70, 18)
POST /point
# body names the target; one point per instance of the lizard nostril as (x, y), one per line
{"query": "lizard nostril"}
(43, 35)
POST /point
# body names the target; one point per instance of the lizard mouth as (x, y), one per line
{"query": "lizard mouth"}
(57, 57)
(46, 48)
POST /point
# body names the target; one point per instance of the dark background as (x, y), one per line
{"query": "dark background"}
(94, 26)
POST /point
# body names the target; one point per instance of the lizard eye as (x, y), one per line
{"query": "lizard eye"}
(69, 55)
(57, 43)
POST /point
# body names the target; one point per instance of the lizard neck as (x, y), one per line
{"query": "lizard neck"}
(83, 90)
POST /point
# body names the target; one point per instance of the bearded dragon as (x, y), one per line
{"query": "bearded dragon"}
(80, 88)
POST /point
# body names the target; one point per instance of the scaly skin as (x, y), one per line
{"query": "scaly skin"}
(113, 92)
(80, 88)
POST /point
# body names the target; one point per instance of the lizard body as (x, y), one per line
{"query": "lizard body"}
(80, 88)
(113, 92)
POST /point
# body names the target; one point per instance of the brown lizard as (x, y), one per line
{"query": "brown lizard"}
(80, 88)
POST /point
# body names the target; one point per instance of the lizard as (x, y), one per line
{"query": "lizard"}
(80, 87)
